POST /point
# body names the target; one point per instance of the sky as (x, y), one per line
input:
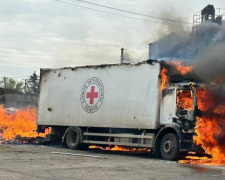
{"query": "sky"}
(38, 34)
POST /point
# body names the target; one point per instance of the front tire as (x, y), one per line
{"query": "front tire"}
(169, 147)
(73, 138)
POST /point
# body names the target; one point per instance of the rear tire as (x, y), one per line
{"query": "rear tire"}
(169, 147)
(73, 138)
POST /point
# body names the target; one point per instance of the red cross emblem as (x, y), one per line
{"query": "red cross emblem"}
(92, 95)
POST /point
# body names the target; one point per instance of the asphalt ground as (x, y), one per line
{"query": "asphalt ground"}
(39, 162)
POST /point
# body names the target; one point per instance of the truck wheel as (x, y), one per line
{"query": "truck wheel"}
(169, 147)
(73, 138)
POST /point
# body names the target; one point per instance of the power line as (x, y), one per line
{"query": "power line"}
(72, 4)
(172, 20)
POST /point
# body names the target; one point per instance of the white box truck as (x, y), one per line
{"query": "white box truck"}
(116, 104)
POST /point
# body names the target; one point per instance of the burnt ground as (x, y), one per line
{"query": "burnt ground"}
(36, 162)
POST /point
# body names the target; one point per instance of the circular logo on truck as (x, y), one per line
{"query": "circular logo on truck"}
(92, 95)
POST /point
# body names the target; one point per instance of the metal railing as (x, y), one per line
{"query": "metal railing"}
(197, 17)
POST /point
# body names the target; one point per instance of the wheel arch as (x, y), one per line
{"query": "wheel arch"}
(165, 130)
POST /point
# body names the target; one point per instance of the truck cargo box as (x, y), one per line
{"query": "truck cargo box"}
(115, 96)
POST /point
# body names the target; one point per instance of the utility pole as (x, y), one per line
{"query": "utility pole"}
(26, 90)
(4, 79)
(122, 55)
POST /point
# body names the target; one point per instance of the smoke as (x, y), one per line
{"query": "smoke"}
(165, 26)
(204, 48)
(178, 26)
(210, 63)
(134, 55)
(209, 54)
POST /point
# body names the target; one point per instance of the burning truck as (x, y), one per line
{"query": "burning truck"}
(148, 104)
(152, 104)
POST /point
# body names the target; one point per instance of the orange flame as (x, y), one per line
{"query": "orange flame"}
(184, 100)
(117, 148)
(210, 129)
(20, 123)
(164, 78)
(210, 125)
(180, 67)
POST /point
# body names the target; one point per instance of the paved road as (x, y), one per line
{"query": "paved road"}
(37, 162)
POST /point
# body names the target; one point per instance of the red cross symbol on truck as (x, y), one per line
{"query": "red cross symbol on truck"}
(92, 95)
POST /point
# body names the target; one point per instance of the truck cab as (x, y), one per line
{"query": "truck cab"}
(178, 105)
(178, 111)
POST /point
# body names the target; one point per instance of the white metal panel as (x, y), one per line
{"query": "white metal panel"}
(130, 99)
(168, 107)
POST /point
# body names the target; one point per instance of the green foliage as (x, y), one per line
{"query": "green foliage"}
(20, 86)
(33, 83)
(10, 83)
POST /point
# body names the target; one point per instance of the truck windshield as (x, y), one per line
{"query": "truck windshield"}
(185, 99)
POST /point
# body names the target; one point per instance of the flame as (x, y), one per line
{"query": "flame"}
(20, 123)
(117, 148)
(210, 128)
(180, 67)
(210, 125)
(184, 100)
(164, 74)
(164, 78)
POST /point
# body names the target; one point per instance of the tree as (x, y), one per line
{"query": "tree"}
(20, 86)
(33, 83)
(10, 83)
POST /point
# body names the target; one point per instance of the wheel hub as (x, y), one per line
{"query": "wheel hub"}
(168, 146)
(73, 138)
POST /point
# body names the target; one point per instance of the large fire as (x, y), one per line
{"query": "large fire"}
(210, 124)
(210, 127)
(19, 123)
